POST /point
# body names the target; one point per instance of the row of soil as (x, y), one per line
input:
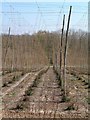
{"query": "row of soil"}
(10, 99)
(10, 79)
(77, 88)
(78, 70)
(9, 71)
(44, 99)
(84, 78)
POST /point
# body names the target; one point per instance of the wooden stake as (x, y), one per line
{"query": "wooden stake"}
(65, 52)
(7, 46)
(56, 60)
(61, 52)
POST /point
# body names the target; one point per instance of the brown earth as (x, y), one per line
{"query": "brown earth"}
(45, 100)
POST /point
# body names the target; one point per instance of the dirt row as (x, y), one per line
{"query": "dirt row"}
(10, 79)
(44, 100)
(11, 98)
(78, 91)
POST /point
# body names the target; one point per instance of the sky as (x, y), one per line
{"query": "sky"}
(44, 0)
(30, 17)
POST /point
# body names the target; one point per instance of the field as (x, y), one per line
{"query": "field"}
(44, 74)
(31, 85)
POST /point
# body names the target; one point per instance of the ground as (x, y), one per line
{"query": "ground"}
(39, 95)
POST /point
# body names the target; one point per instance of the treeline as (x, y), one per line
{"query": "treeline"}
(77, 48)
(22, 52)
(43, 48)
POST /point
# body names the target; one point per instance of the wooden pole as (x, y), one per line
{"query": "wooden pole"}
(56, 60)
(7, 46)
(61, 52)
(65, 50)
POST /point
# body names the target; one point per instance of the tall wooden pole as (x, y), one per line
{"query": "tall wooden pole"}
(7, 47)
(61, 52)
(65, 52)
(56, 60)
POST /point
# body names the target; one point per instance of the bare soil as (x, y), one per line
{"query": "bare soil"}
(44, 98)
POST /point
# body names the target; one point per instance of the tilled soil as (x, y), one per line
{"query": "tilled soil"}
(16, 92)
(10, 88)
(10, 79)
(10, 98)
(78, 92)
(46, 96)
(44, 102)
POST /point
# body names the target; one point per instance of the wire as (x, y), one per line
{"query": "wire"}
(60, 13)
(44, 22)
(45, 12)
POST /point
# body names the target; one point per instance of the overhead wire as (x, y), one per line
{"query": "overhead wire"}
(60, 13)
(44, 22)
(40, 12)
